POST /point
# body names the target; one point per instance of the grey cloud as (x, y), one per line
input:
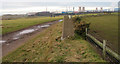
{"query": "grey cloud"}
(12, 5)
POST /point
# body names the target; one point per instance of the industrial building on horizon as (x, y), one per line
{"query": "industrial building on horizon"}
(72, 11)
(80, 10)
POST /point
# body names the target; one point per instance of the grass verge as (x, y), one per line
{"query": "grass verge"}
(46, 47)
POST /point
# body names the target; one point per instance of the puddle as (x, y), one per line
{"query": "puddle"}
(2, 41)
(39, 26)
(36, 29)
(15, 38)
(20, 34)
(60, 20)
(43, 26)
(26, 31)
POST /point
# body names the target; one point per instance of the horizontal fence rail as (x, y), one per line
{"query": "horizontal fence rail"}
(107, 49)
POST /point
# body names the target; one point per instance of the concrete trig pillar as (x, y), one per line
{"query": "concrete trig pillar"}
(68, 27)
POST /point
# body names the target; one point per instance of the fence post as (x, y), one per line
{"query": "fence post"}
(86, 31)
(104, 48)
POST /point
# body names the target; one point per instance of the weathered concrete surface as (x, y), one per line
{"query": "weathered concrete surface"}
(68, 27)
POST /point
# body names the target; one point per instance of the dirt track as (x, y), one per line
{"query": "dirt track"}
(14, 40)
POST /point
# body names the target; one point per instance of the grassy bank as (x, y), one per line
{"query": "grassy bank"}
(106, 27)
(46, 47)
(17, 24)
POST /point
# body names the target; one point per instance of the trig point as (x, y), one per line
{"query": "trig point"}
(68, 27)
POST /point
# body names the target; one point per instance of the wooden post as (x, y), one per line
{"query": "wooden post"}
(86, 31)
(104, 48)
(107, 49)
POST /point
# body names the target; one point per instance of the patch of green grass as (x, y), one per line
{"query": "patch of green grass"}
(45, 48)
(106, 27)
(60, 59)
(18, 24)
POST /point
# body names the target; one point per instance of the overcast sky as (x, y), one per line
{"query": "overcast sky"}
(59, 0)
(25, 6)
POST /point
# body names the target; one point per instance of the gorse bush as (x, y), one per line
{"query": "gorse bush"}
(76, 19)
(80, 26)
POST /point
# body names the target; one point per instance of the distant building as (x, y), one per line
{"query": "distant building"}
(96, 9)
(40, 14)
(101, 9)
(73, 9)
(63, 12)
(43, 14)
(31, 14)
(76, 12)
(70, 12)
(80, 9)
(83, 9)
(116, 9)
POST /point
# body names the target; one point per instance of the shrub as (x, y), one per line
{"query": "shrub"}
(80, 26)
